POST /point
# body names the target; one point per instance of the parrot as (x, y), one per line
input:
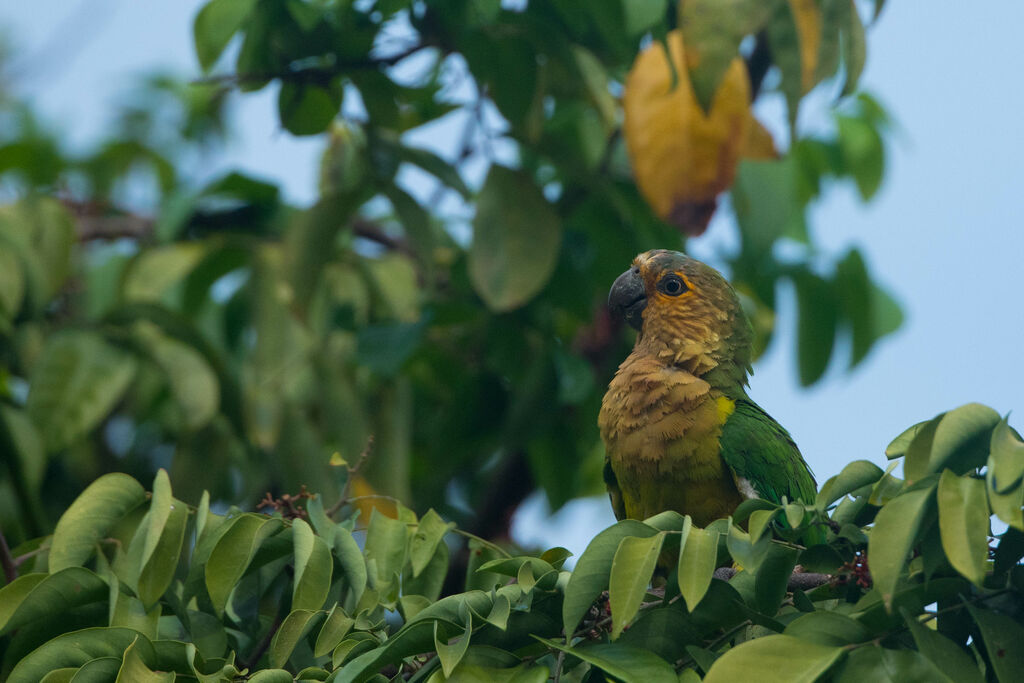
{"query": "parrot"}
(680, 431)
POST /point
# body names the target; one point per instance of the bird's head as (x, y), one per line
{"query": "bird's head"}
(685, 310)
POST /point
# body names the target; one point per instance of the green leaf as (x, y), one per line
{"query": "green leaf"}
(918, 455)
(516, 240)
(746, 553)
(91, 517)
(308, 108)
(134, 669)
(40, 231)
(415, 220)
(857, 474)
(386, 541)
(435, 166)
(271, 676)
(712, 31)
(777, 658)
(698, 557)
(624, 662)
(816, 326)
(165, 534)
(963, 523)
(296, 625)
(214, 26)
(632, 567)
(864, 153)
(784, 44)
(898, 447)
(76, 648)
(234, 551)
(451, 654)
(962, 439)
(313, 568)
(943, 652)
(772, 576)
(12, 284)
(857, 298)
(854, 49)
(192, 380)
(1006, 459)
(35, 597)
(828, 628)
(766, 202)
(881, 665)
(430, 582)
(891, 539)
(429, 533)
(157, 270)
(590, 576)
(1002, 637)
(99, 670)
(350, 556)
(1004, 476)
(335, 628)
(75, 384)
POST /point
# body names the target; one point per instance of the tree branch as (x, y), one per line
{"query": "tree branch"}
(313, 74)
(802, 581)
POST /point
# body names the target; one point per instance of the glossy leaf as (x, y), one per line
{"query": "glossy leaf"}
(233, 553)
(429, 533)
(91, 517)
(36, 597)
(963, 522)
(622, 661)
(778, 658)
(943, 653)
(1001, 636)
(591, 574)
(134, 669)
(698, 557)
(857, 474)
(296, 625)
(631, 570)
(962, 439)
(892, 537)
(76, 649)
(313, 568)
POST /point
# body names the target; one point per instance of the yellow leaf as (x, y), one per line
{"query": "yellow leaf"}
(759, 143)
(683, 158)
(807, 17)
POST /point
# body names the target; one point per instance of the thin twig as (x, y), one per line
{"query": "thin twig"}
(254, 659)
(558, 665)
(352, 472)
(10, 568)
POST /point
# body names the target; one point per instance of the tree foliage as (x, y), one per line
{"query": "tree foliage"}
(448, 302)
(907, 582)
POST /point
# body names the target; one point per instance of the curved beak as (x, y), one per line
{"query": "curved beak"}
(627, 298)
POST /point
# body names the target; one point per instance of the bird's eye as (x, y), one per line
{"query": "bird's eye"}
(672, 285)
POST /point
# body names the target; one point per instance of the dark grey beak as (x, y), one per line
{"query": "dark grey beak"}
(627, 298)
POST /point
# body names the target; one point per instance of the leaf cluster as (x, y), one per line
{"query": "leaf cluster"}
(876, 579)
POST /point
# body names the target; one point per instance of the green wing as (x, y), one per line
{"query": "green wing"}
(756, 448)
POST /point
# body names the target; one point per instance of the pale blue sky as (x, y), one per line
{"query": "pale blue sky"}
(945, 233)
